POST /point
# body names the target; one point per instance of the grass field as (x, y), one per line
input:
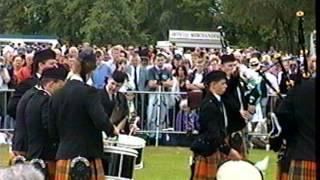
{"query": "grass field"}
(172, 163)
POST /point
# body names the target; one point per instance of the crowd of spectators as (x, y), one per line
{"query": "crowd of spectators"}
(170, 69)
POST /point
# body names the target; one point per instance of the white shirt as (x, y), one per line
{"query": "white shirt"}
(197, 78)
(75, 77)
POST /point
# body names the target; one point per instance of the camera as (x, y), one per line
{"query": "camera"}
(160, 77)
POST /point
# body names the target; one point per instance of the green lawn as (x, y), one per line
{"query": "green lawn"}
(172, 163)
(168, 163)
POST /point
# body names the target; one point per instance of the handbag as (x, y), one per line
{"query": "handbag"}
(202, 146)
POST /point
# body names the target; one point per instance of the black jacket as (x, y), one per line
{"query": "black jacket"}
(120, 104)
(20, 89)
(20, 140)
(211, 120)
(296, 115)
(40, 146)
(232, 104)
(77, 118)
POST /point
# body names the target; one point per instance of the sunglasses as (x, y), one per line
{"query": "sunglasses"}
(254, 65)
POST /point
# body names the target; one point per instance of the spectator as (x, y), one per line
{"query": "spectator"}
(196, 78)
(312, 65)
(17, 64)
(121, 65)
(101, 72)
(138, 72)
(4, 74)
(159, 79)
(187, 119)
(115, 53)
(26, 70)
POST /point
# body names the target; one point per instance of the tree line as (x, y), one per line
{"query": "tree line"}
(259, 23)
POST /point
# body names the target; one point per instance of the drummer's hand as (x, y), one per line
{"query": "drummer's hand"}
(251, 109)
(245, 115)
(116, 130)
(133, 128)
(234, 155)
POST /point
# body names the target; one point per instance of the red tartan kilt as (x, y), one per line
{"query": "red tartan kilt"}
(302, 170)
(63, 169)
(206, 167)
(51, 168)
(282, 174)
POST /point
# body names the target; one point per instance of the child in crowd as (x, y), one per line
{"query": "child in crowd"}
(187, 119)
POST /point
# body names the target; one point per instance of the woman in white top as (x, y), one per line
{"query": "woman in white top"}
(122, 65)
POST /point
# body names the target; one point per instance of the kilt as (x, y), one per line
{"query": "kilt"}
(282, 172)
(63, 168)
(205, 168)
(302, 170)
(51, 169)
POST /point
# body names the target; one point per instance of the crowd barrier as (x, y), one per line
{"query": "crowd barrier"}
(157, 110)
(5, 121)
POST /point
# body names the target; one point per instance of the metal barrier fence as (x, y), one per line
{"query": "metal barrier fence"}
(5, 120)
(158, 112)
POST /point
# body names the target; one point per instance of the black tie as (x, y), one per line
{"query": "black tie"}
(222, 109)
(136, 77)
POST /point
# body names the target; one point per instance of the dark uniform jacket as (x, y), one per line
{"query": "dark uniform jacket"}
(40, 146)
(20, 89)
(120, 105)
(296, 115)
(77, 118)
(20, 140)
(232, 104)
(211, 119)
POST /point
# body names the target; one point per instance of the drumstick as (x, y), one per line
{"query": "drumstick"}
(135, 124)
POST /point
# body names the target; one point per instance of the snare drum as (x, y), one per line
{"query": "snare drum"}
(135, 143)
(238, 170)
(118, 163)
(132, 142)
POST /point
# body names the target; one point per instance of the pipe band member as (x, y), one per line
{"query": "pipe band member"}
(42, 59)
(40, 146)
(296, 115)
(211, 147)
(77, 119)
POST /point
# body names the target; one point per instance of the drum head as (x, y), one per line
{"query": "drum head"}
(131, 141)
(238, 170)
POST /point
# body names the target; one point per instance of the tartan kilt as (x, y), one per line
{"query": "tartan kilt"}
(205, 168)
(63, 169)
(282, 172)
(51, 169)
(302, 170)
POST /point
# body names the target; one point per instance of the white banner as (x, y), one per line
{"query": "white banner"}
(194, 35)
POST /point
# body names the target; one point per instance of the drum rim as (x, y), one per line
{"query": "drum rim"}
(245, 160)
(120, 150)
(117, 178)
(130, 146)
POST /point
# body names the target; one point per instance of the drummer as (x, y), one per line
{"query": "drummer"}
(115, 103)
(77, 120)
